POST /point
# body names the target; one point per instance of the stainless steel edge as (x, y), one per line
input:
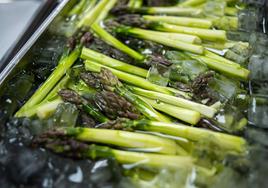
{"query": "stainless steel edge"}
(41, 29)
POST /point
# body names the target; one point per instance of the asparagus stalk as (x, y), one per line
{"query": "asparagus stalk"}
(183, 21)
(124, 139)
(206, 34)
(231, 70)
(231, 11)
(218, 45)
(93, 15)
(131, 79)
(220, 58)
(189, 3)
(178, 11)
(224, 141)
(172, 36)
(46, 109)
(107, 37)
(89, 54)
(135, 3)
(81, 150)
(176, 101)
(104, 12)
(78, 8)
(87, 9)
(178, 44)
(56, 75)
(183, 114)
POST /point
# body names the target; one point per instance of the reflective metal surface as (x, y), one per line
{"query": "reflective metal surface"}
(20, 59)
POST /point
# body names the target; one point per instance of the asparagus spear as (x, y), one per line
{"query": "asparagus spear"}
(176, 101)
(135, 3)
(105, 10)
(206, 34)
(73, 97)
(183, 21)
(78, 8)
(131, 79)
(183, 114)
(178, 11)
(104, 35)
(93, 15)
(189, 3)
(224, 141)
(178, 44)
(138, 141)
(76, 149)
(110, 82)
(220, 58)
(113, 63)
(46, 109)
(231, 70)
(171, 36)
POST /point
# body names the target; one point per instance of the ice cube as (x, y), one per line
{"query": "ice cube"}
(159, 74)
(258, 3)
(259, 42)
(248, 20)
(258, 65)
(259, 87)
(216, 8)
(66, 115)
(258, 111)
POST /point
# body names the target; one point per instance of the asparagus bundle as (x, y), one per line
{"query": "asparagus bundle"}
(194, 91)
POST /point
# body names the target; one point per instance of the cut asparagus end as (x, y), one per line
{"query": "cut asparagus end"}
(47, 109)
(230, 70)
(183, 114)
(176, 101)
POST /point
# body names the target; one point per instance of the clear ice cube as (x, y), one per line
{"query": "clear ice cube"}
(159, 74)
(214, 7)
(258, 111)
(258, 66)
(248, 20)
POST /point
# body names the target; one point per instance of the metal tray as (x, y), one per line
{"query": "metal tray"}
(20, 58)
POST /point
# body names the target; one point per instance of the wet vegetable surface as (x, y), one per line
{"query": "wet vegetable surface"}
(139, 102)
